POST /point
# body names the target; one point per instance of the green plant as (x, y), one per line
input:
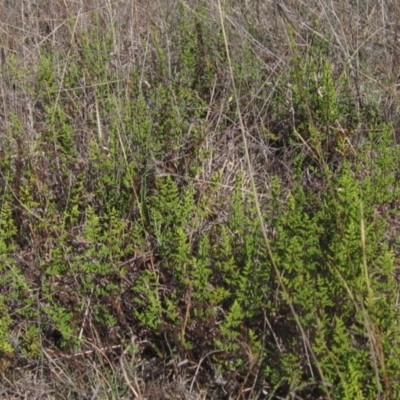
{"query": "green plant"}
(218, 188)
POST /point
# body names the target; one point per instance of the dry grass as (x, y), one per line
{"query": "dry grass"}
(363, 42)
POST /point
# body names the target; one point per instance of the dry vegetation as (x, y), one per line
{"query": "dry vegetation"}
(199, 199)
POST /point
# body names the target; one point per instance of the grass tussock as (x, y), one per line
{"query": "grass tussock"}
(199, 200)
